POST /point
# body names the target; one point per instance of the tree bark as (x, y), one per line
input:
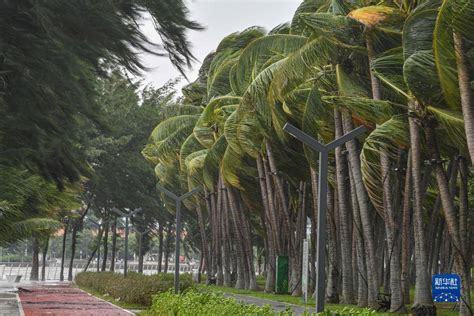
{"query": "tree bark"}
(73, 250)
(167, 247)
(342, 178)
(332, 291)
(35, 265)
(391, 229)
(225, 239)
(204, 242)
(447, 200)
(422, 304)
(43, 258)
(465, 90)
(160, 248)
(63, 252)
(114, 245)
(375, 83)
(280, 194)
(466, 306)
(365, 214)
(105, 248)
(218, 233)
(270, 229)
(362, 288)
(140, 252)
(406, 219)
(314, 216)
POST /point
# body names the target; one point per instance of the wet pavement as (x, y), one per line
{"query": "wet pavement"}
(61, 299)
(8, 300)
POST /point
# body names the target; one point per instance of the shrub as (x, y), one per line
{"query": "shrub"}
(135, 288)
(202, 302)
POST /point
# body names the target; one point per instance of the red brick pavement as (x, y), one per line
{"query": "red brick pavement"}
(64, 300)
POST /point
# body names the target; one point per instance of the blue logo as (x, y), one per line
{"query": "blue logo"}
(446, 288)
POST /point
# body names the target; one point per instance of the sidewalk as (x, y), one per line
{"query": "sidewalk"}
(8, 300)
(277, 306)
(60, 299)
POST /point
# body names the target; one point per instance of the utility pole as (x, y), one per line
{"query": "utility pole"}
(322, 199)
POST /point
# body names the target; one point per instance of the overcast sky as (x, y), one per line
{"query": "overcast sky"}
(220, 18)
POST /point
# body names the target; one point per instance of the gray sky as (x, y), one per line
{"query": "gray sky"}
(220, 17)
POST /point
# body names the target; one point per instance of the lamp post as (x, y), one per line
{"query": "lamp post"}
(322, 199)
(140, 246)
(127, 217)
(178, 200)
(99, 225)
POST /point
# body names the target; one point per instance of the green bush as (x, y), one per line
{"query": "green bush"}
(206, 301)
(135, 288)
(202, 302)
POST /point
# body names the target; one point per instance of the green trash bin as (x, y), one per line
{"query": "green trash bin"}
(281, 286)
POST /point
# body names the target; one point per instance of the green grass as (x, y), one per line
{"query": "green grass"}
(110, 299)
(442, 309)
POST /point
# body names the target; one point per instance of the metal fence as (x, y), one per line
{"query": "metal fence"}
(53, 270)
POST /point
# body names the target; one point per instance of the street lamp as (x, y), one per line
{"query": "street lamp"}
(99, 225)
(127, 217)
(140, 245)
(322, 199)
(178, 200)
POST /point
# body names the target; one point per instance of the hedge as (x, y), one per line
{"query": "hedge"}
(135, 288)
(205, 301)
(202, 302)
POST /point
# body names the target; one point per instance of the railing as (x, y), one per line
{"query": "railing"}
(53, 269)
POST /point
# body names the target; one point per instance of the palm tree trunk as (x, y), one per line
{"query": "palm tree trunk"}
(375, 83)
(251, 283)
(360, 248)
(280, 193)
(270, 230)
(167, 247)
(212, 264)
(204, 242)
(35, 265)
(332, 291)
(365, 213)
(225, 239)
(160, 248)
(447, 200)
(274, 216)
(465, 90)
(422, 304)
(43, 258)
(314, 216)
(240, 252)
(344, 215)
(63, 252)
(406, 218)
(218, 225)
(297, 266)
(393, 251)
(466, 306)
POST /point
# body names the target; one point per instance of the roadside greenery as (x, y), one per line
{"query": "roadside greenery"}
(202, 302)
(208, 301)
(135, 289)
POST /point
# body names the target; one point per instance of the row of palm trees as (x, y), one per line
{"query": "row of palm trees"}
(399, 199)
